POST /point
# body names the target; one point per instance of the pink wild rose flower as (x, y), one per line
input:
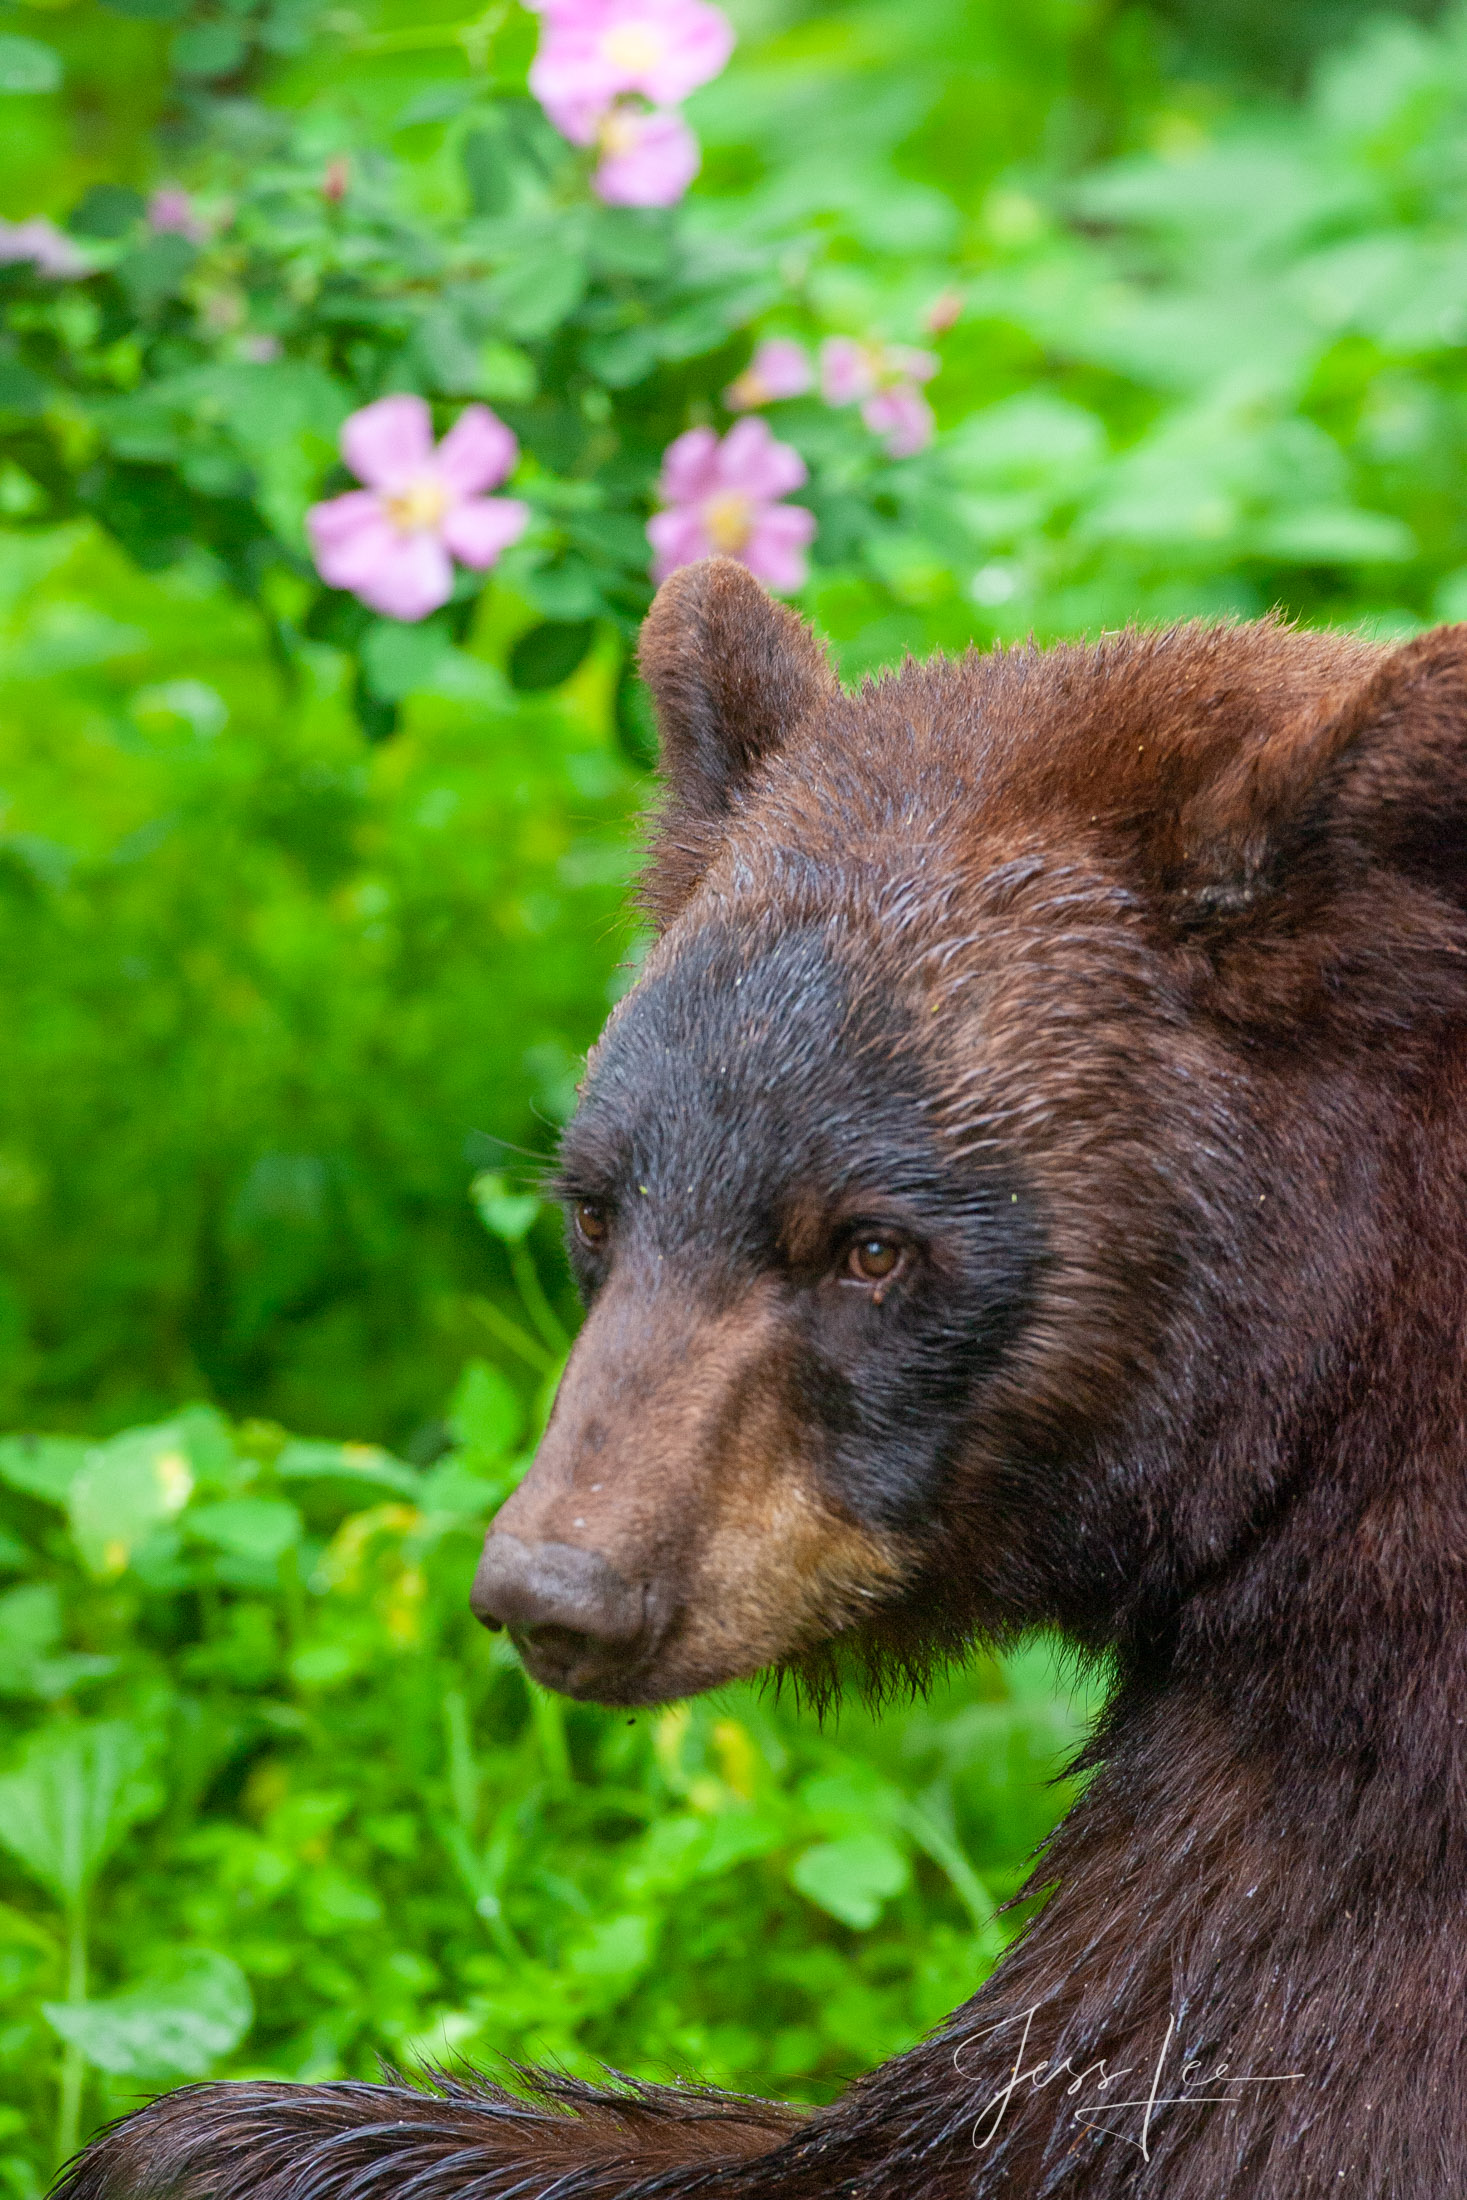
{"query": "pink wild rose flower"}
(722, 500)
(779, 368)
(882, 379)
(393, 543)
(902, 417)
(172, 213)
(49, 249)
(647, 158)
(594, 52)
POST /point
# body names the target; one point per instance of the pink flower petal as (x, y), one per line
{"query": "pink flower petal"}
(482, 529)
(414, 579)
(574, 100)
(911, 365)
(477, 452)
(902, 416)
(678, 538)
(592, 54)
(779, 368)
(348, 536)
(387, 443)
(171, 212)
(647, 160)
(49, 250)
(847, 370)
(690, 467)
(945, 311)
(775, 551)
(357, 547)
(695, 41)
(751, 461)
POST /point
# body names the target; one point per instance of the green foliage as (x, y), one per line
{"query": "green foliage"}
(273, 991)
(307, 917)
(275, 1804)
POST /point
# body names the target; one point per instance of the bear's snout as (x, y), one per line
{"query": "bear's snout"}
(673, 1532)
(568, 1609)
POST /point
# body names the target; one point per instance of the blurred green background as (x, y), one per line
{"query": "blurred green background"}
(306, 922)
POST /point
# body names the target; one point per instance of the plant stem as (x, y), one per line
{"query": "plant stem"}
(463, 1772)
(73, 2062)
(549, 1720)
(536, 1305)
(510, 1333)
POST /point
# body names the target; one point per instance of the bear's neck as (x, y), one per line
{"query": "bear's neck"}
(1285, 1901)
(1265, 1878)
(1249, 1974)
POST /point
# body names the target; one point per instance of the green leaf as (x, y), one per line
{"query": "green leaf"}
(30, 1628)
(155, 271)
(178, 2023)
(547, 655)
(615, 1953)
(30, 1624)
(535, 294)
(1034, 439)
(439, 103)
(42, 1466)
(262, 1528)
(853, 1878)
(107, 210)
(627, 240)
(284, 417)
(505, 1214)
(125, 1490)
(453, 1486)
(484, 1414)
(362, 1466)
(1337, 535)
(20, 390)
(566, 592)
(489, 166)
(209, 49)
(28, 66)
(505, 375)
(636, 720)
(623, 357)
(398, 659)
(77, 1790)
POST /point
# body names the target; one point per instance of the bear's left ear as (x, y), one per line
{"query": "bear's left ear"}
(732, 673)
(1373, 782)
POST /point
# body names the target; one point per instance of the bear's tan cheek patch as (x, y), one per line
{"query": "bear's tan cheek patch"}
(777, 1568)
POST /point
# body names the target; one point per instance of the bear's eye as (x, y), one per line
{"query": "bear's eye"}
(590, 1221)
(873, 1259)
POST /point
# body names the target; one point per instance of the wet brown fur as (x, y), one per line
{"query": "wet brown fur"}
(1179, 923)
(668, 1454)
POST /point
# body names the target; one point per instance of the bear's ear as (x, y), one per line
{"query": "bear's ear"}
(1372, 782)
(732, 673)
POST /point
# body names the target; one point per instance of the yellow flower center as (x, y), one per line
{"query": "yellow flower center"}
(633, 47)
(420, 506)
(619, 132)
(729, 521)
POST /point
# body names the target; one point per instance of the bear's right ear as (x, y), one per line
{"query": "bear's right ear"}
(732, 673)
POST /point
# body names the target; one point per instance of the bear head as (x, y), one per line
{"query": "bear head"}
(975, 1196)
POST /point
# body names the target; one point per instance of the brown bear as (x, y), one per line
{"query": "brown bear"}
(1026, 1187)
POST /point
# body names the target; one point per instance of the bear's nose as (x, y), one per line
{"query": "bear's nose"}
(566, 1607)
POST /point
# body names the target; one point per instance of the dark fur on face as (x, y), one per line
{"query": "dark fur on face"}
(756, 1115)
(1107, 1008)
